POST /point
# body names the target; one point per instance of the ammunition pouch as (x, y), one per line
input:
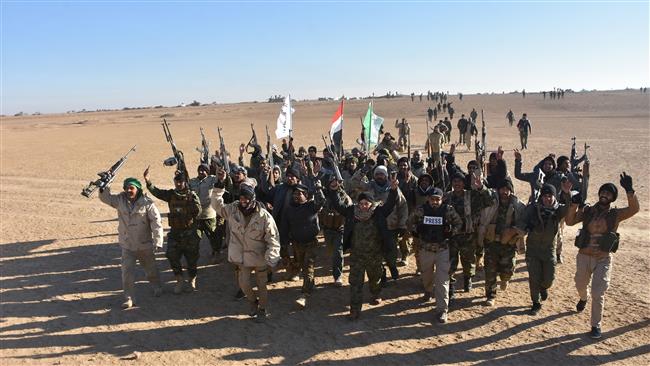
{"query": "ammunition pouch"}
(582, 239)
(609, 242)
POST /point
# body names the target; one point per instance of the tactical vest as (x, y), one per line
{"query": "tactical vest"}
(608, 242)
(180, 215)
(433, 225)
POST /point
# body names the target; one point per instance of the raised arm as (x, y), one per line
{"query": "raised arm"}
(632, 200)
(108, 198)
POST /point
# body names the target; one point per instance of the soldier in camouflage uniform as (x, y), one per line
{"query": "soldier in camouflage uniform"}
(396, 221)
(363, 234)
(184, 237)
(501, 226)
(468, 204)
(542, 224)
(208, 222)
(434, 222)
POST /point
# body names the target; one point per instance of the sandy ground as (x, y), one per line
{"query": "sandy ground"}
(60, 274)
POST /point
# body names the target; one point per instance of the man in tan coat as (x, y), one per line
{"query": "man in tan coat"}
(254, 243)
(140, 232)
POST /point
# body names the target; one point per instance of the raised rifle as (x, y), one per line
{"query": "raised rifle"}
(178, 159)
(253, 141)
(575, 161)
(224, 154)
(585, 176)
(105, 177)
(205, 149)
(408, 146)
(337, 171)
(269, 149)
(481, 157)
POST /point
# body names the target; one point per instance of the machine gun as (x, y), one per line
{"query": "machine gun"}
(178, 159)
(223, 152)
(269, 149)
(481, 154)
(205, 149)
(334, 158)
(106, 177)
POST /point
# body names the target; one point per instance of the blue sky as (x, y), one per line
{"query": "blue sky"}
(59, 56)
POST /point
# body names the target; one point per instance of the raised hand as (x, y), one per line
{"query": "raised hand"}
(394, 183)
(626, 182)
(517, 154)
(146, 174)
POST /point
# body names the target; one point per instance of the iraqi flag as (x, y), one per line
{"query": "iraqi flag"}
(336, 129)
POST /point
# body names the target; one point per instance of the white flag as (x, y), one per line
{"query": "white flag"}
(284, 119)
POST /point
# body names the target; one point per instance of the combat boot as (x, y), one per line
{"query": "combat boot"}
(535, 309)
(467, 285)
(128, 303)
(301, 301)
(192, 287)
(452, 291)
(178, 288)
(504, 285)
(262, 315)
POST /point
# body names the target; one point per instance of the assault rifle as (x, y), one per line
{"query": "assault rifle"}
(205, 149)
(575, 161)
(106, 177)
(334, 158)
(585, 175)
(269, 149)
(253, 141)
(222, 151)
(481, 154)
(178, 159)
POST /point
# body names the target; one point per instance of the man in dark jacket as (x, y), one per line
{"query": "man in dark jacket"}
(281, 197)
(301, 223)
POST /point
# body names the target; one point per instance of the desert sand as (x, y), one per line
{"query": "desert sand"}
(59, 257)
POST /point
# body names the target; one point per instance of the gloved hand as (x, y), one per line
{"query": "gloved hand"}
(626, 182)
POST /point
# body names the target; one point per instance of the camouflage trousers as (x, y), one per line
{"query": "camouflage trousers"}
(183, 244)
(405, 244)
(359, 267)
(304, 259)
(214, 230)
(540, 262)
(499, 260)
(463, 246)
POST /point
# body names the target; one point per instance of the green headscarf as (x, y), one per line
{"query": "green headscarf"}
(132, 182)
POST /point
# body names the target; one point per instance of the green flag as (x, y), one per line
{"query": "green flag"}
(371, 125)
